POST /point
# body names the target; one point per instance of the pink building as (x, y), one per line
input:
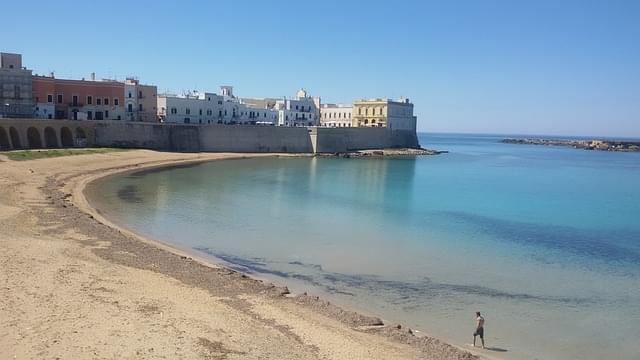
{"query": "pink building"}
(78, 99)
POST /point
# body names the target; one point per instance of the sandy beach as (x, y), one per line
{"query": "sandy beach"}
(74, 285)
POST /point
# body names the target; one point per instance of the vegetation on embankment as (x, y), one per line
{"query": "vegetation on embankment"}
(21, 155)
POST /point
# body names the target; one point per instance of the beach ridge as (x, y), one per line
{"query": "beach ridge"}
(193, 308)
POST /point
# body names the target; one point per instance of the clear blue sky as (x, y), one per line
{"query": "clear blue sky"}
(488, 66)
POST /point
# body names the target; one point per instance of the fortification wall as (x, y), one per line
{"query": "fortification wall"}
(238, 138)
(33, 133)
(332, 140)
(37, 134)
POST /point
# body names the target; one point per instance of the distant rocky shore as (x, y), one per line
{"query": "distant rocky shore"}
(602, 145)
(387, 153)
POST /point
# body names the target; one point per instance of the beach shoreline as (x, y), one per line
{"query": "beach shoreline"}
(51, 194)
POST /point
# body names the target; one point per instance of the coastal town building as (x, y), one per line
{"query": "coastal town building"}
(78, 99)
(15, 87)
(191, 108)
(303, 110)
(336, 115)
(140, 101)
(211, 108)
(395, 115)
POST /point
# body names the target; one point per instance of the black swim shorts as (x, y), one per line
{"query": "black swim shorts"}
(479, 332)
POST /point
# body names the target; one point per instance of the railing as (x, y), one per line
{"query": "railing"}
(75, 104)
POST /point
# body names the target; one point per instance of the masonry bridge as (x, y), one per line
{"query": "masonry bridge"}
(39, 134)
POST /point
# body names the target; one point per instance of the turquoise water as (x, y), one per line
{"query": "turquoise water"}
(545, 241)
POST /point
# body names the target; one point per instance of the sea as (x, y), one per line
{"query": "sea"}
(543, 241)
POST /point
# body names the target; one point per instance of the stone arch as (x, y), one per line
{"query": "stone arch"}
(66, 138)
(4, 139)
(50, 137)
(15, 138)
(81, 137)
(33, 138)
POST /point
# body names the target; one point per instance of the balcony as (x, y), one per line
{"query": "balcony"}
(76, 104)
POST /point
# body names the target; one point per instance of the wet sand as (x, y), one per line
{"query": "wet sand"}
(74, 285)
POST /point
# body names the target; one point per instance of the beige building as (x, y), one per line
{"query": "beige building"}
(396, 115)
(336, 115)
(16, 97)
(140, 101)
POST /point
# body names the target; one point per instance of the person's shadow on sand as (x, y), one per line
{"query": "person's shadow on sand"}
(493, 348)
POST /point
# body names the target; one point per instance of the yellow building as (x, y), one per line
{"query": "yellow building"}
(396, 115)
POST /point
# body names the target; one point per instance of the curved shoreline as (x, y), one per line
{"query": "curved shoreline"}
(73, 186)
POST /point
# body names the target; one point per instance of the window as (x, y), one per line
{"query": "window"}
(174, 110)
(296, 107)
(129, 107)
(140, 107)
(98, 101)
(187, 111)
(59, 98)
(140, 94)
(49, 98)
(16, 91)
(74, 100)
(116, 101)
(89, 115)
(106, 101)
(106, 114)
(200, 112)
(89, 100)
(129, 94)
(380, 111)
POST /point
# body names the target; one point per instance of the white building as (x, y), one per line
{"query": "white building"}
(304, 110)
(191, 108)
(332, 115)
(247, 111)
(210, 108)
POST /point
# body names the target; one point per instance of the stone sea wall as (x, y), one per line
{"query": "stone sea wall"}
(34, 133)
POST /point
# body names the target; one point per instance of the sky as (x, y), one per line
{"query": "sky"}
(469, 66)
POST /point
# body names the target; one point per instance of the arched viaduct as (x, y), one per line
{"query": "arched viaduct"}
(42, 134)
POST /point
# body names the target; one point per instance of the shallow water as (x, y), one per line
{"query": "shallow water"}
(545, 241)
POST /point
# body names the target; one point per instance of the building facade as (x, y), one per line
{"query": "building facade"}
(190, 108)
(78, 99)
(303, 110)
(332, 115)
(140, 101)
(16, 99)
(211, 108)
(396, 115)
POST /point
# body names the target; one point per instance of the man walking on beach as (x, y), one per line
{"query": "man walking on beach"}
(479, 329)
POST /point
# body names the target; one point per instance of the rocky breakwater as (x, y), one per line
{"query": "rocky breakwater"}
(388, 153)
(602, 145)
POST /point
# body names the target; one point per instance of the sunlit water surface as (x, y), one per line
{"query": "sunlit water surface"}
(545, 241)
